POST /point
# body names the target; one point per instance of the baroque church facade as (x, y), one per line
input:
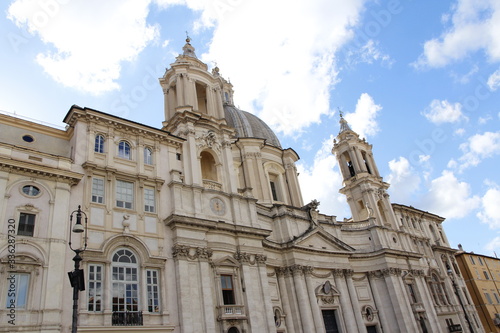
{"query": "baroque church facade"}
(200, 226)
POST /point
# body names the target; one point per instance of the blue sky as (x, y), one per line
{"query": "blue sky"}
(419, 79)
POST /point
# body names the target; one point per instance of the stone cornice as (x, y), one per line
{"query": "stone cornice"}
(39, 171)
(175, 221)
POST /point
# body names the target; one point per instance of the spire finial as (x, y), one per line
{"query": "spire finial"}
(188, 48)
(344, 126)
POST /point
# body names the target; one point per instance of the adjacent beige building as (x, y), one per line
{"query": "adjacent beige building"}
(199, 226)
(482, 278)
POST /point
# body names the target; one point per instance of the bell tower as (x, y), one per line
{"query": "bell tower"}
(363, 186)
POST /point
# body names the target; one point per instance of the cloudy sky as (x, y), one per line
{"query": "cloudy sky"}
(420, 80)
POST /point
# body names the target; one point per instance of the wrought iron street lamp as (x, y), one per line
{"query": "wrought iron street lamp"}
(455, 289)
(76, 277)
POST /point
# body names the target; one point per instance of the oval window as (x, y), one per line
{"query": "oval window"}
(31, 190)
(28, 138)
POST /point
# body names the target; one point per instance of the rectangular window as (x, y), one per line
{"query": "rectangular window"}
(148, 156)
(95, 288)
(153, 286)
(411, 290)
(472, 260)
(488, 297)
(149, 200)
(486, 276)
(124, 194)
(17, 290)
(98, 190)
(497, 299)
(480, 261)
(226, 282)
(273, 191)
(26, 224)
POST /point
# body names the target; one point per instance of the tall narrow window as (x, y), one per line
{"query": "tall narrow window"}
(20, 283)
(411, 291)
(98, 190)
(480, 261)
(99, 144)
(227, 289)
(148, 156)
(367, 165)
(488, 297)
(153, 286)
(26, 224)
(124, 194)
(486, 276)
(124, 150)
(273, 190)
(95, 288)
(125, 283)
(149, 200)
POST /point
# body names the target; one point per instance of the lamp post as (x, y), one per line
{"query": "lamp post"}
(455, 289)
(76, 277)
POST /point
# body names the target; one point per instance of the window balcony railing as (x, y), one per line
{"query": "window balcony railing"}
(126, 318)
(212, 185)
(231, 311)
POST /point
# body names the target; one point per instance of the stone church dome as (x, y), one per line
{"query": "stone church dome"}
(248, 125)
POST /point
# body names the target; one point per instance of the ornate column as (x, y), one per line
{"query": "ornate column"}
(302, 298)
(392, 277)
(349, 318)
(354, 301)
(280, 273)
(316, 311)
(372, 280)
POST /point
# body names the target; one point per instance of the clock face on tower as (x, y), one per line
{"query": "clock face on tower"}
(217, 206)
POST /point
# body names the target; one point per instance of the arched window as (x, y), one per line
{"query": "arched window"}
(124, 150)
(148, 156)
(350, 166)
(367, 164)
(201, 95)
(125, 282)
(233, 330)
(99, 144)
(208, 168)
(437, 290)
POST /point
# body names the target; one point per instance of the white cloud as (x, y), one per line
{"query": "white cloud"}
(449, 197)
(474, 27)
(494, 80)
(322, 180)
(369, 53)
(363, 119)
(88, 45)
(479, 147)
(490, 208)
(291, 55)
(443, 112)
(493, 245)
(403, 179)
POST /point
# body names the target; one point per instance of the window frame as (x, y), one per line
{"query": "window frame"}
(93, 291)
(97, 193)
(149, 200)
(227, 291)
(123, 282)
(17, 294)
(99, 144)
(124, 196)
(124, 150)
(26, 224)
(148, 156)
(153, 290)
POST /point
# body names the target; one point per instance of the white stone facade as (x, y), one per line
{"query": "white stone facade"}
(199, 226)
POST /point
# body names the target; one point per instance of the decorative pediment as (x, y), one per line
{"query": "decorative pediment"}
(319, 239)
(226, 261)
